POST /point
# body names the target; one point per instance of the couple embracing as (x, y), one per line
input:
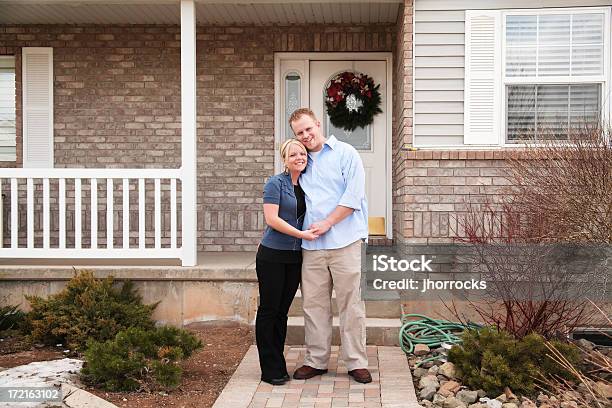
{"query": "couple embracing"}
(316, 212)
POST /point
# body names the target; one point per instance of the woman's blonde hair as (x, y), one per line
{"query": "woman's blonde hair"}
(284, 149)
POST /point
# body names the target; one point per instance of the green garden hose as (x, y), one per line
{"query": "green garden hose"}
(432, 332)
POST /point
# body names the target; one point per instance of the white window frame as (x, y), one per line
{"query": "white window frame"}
(604, 79)
(10, 157)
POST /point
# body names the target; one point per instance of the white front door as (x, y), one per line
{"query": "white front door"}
(300, 82)
(370, 141)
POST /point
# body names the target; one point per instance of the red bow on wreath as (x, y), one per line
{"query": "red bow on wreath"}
(352, 100)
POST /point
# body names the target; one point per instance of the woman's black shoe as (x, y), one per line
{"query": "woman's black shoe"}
(275, 381)
(286, 377)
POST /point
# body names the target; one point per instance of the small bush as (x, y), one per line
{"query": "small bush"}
(87, 308)
(139, 358)
(11, 318)
(491, 360)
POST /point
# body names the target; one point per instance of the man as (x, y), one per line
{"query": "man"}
(336, 209)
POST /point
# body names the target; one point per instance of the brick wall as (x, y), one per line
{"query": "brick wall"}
(117, 104)
(441, 185)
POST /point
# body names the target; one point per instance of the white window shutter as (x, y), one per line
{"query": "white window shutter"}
(37, 83)
(483, 96)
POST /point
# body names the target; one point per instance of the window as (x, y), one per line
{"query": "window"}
(293, 86)
(554, 72)
(7, 109)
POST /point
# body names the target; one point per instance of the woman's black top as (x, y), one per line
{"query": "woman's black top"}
(301, 200)
(280, 255)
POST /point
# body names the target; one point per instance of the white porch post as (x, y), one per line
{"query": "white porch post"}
(188, 140)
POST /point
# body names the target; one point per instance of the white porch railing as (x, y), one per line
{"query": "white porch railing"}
(43, 200)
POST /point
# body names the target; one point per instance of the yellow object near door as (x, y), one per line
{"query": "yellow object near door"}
(376, 226)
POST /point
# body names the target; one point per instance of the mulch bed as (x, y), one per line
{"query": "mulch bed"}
(205, 373)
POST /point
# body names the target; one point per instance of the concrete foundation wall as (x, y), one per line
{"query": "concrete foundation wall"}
(186, 295)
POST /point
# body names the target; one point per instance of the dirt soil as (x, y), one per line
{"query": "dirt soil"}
(15, 350)
(205, 373)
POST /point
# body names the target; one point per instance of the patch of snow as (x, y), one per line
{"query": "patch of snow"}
(41, 374)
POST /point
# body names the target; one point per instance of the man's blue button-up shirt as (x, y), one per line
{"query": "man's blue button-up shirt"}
(335, 177)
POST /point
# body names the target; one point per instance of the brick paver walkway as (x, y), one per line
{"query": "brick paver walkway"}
(391, 386)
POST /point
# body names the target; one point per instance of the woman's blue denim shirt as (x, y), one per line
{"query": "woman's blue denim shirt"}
(279, 190)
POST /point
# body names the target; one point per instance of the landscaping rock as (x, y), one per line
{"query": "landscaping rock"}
(412, 361)
(467, 397)
(509, 394)
(570, 396)
(510, 405)
(603, 389)
(429, 381)
(569, 404)
(481, 393)
(502, 398)
(421, 350)
(427, 364)
(585, 344)
(419, 372)
(449, 388)
(448, 370)
(527, 403)
(428, 393)
(433, 370)
(452, 402)
(426, 404)
(477, 405)
(491, 403)
(438, 400)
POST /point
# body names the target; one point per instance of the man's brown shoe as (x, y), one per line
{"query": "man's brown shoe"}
(305, 372)
(361, 375)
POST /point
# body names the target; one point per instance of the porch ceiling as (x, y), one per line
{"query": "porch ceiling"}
(209, 12)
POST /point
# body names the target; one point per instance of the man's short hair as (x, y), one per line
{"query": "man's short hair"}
(298, 113)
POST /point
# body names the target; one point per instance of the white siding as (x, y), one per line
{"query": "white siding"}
(439, 54)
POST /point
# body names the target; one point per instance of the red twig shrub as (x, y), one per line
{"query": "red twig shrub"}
(557, 211)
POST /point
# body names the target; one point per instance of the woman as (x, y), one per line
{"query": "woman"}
(279, 260)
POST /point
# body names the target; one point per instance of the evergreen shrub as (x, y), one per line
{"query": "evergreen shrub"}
(139, 359)
(87, 308)
(489, 359)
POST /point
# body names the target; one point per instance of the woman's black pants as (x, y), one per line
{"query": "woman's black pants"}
(278, 283)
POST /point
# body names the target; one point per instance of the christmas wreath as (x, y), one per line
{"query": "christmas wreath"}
(352, 100)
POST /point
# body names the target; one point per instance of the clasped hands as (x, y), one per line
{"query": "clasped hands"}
(316, 229)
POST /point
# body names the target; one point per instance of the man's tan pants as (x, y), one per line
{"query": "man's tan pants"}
(339, 269)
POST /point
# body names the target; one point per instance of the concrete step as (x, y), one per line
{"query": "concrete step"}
(388, 308)
(380, 332)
